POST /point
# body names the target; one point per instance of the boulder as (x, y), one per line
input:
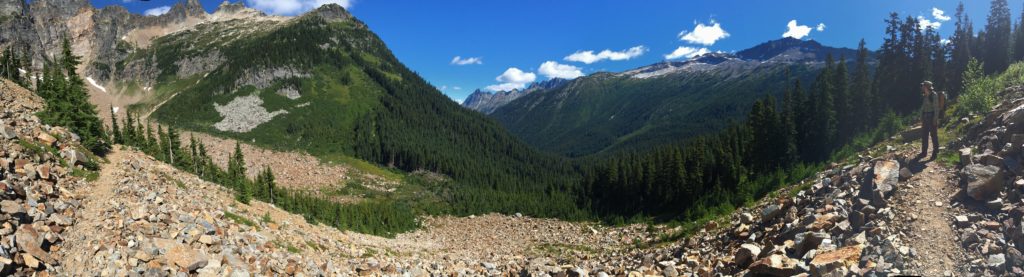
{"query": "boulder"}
(746, 254)
(30, 241)
(187, 258)
(965, 156)
(827, 263)
(46, 139)
(770, 212)
(990, 159)
(775, 265)
(983, 181)
(8, 133)
(75, 157)
(887, 174)
(807, 241)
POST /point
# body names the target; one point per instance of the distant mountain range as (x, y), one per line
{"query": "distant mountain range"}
(486, 102)
(654, 104)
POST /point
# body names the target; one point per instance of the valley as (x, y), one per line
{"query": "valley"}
(239, 140)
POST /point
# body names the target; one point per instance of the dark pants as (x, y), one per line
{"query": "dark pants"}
(930, 128)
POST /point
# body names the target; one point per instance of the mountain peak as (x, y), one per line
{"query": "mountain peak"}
(187, 8)
(331, 12)
(792, 49)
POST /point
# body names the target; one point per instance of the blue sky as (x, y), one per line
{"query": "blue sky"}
(506, 44)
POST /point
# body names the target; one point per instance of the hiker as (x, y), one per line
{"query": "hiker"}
(931, 111)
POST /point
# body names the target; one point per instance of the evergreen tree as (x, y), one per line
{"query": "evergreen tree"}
(997, 38)
(863, 100)
(1018, 39)
(115, 129)
(842, 101)
(67, 102)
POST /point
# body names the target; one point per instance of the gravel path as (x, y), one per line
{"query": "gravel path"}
(927, 202)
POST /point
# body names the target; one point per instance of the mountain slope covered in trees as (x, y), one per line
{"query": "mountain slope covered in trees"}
(661, 103)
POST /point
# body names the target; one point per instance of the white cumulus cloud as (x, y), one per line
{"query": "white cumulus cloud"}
(687, 52)
(553, 69)
(588, 57)
(821, 27)
(796, 31)
(459, 60)
(939, 14)
(158, 11)
(293, 7)
(704, 34)
(924, 23)
(512, 78)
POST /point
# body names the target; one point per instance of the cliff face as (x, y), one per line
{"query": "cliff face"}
(103, 37)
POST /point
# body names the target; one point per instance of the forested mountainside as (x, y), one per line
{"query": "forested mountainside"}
(662, 103)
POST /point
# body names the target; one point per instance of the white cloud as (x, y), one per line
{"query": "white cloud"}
(684, 51)
(157, 11)
(795, 30)
(459, 60)
(821, 27)
(704, 34)
(588, 57)
(944, 41)
(553, 69)
(939, 14)
(513, 78)
(293, 7)
(457, 88)
(924, 23)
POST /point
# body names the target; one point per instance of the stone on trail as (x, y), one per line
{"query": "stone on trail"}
(886, 176)
(983, 181)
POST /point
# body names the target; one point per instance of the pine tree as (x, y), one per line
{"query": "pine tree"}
(863, 103)
(1018, 39)
(67, 102)
(843, 110)
(115, 129)
(997, 38)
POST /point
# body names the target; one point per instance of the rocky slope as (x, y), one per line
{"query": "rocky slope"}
(36, 179)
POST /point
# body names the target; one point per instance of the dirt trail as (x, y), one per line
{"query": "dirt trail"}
(928, 203)
(91, 218)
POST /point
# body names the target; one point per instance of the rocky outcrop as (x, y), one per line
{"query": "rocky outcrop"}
(188, 66)
(265, 77)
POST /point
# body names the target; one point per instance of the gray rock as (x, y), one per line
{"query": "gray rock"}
(8, 133)
(770, 212)
(746, 254)
(983, 181)
(996, 260)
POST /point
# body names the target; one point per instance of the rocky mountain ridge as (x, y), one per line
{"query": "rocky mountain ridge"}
(103, 37)
(486, 102)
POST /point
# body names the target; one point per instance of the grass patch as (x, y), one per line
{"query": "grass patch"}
(266, 218)
(88, 175)
(239, 219)
(370, 252)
